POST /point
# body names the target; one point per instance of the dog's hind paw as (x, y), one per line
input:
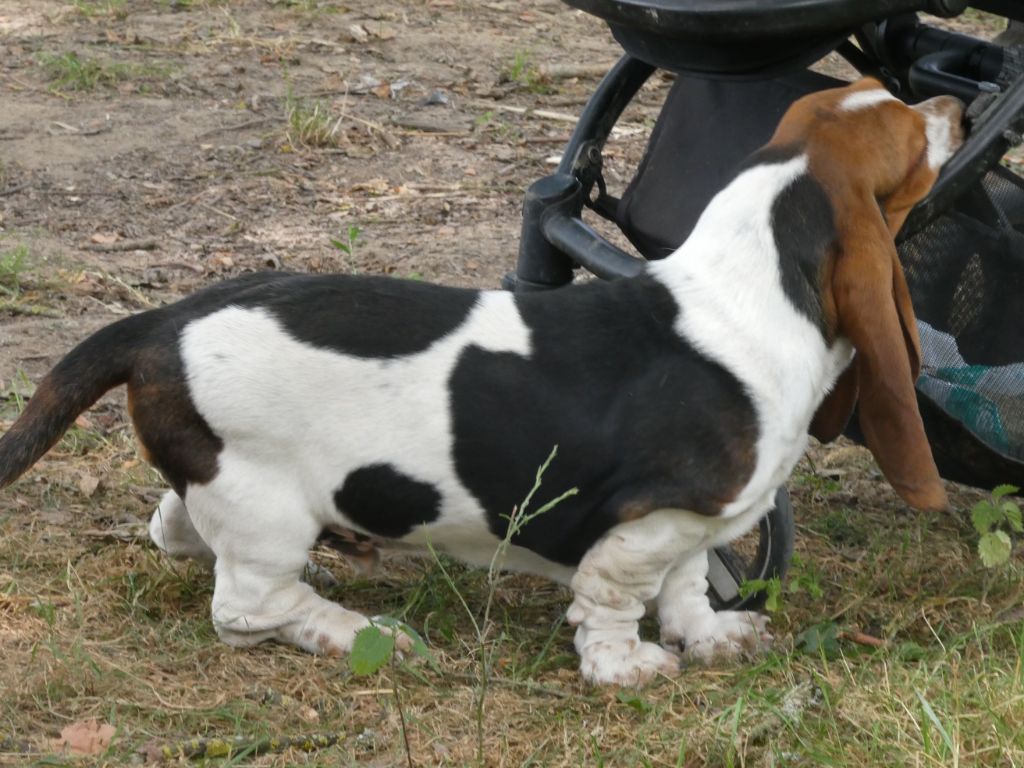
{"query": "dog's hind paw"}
(626, 663)
(729, 635)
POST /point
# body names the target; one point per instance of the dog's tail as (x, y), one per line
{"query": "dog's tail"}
(98, 364)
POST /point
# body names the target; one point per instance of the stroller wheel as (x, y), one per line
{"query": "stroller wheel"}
(747, 559)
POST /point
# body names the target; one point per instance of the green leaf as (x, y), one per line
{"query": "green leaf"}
(631, 699)
(820, 639)
(985, 517)
(1003, 490)
(910, 652)
(930, 714)
(752, 586)
(771, 587)
(371, 650)
(994, 548)
(419, 646)
(341, 246)
(773, 601)
(1012, 514)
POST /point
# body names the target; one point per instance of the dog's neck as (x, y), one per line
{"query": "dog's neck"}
(754, 308)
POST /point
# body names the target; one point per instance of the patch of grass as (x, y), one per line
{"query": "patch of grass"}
(13, 264)
(310, 124)
(94, 627)
(92, 8)
(70, 72)
(20, 284)
(525, 74)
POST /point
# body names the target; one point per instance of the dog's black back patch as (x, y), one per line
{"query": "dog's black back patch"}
(641, 419)
(386, 502)
(804, 227)
(364, 316)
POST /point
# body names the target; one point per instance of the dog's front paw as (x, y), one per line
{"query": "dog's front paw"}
(626, 662)
(727, 635)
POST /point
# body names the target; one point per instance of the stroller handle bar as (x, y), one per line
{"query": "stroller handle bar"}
(556, 240)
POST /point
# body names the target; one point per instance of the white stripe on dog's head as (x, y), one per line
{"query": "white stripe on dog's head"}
(864, 99)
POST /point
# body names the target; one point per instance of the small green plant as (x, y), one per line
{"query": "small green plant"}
(91, 8)
(525, 74)
(994, 519)
(818, 484)
(70, 72)
(374, 647)
(348, 244)
(802, 578)
(13, 264)
(772, 589)
(311, 125)
(820, 640)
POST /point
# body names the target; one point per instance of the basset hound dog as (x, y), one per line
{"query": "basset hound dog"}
(282, 406)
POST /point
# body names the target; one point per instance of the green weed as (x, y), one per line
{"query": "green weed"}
(995, 519)
(526, 75)
(70, 72)
(348, 244)
(310, 124)
(92, 8)
(13, 264)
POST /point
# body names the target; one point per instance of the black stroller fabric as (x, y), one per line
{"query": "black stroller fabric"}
(965, 270)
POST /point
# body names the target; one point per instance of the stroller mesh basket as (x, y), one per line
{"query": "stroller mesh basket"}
(966, 276)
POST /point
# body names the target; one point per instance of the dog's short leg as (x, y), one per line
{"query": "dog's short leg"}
(171, 530)
(261, 543)
(688, 621)
(614, 579)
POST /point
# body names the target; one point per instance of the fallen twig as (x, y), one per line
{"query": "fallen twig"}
(148, 244)
(863, 639)
(543, 114)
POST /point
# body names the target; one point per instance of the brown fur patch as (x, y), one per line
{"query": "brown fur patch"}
(734, 471)
(174, 436)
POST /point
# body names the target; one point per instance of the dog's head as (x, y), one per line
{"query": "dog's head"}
(875, 157)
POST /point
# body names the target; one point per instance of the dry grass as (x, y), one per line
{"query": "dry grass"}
(95, 624)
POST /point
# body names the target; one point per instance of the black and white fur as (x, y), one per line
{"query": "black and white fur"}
(280, 406)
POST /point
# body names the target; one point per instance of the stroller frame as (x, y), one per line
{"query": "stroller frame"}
(747, 39)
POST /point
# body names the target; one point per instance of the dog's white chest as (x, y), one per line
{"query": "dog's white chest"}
(727, 280)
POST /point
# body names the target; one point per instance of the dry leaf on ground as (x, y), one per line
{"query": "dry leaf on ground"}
(85, 737)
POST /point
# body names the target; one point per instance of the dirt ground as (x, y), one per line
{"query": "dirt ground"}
(151, 147)
(180, 170)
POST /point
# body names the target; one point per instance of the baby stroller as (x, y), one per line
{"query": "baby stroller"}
(739, 64)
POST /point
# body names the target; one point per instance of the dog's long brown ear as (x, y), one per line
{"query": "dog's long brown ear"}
(874, 312)
(835, 410)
